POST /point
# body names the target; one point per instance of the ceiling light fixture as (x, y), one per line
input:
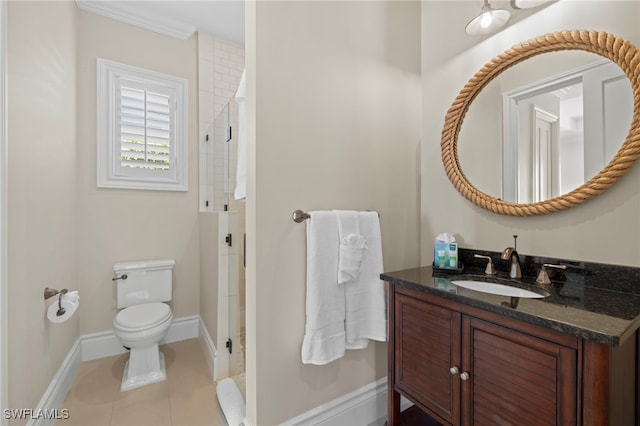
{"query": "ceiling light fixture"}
(488, 20)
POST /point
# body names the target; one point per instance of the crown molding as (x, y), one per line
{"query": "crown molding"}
(131, 13)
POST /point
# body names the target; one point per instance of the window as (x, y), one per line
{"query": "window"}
(142, 128)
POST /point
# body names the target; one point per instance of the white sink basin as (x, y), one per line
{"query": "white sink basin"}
(500, 289)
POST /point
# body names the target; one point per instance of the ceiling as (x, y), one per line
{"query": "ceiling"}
(225, 18)
(177, 18)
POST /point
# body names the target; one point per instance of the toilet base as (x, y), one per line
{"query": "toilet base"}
(144, 367)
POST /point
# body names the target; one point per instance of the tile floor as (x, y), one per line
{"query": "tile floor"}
(186, 398)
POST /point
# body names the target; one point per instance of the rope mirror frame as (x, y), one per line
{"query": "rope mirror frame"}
(616, 49)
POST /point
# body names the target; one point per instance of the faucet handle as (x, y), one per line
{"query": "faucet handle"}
(490, 269)
(543, 276)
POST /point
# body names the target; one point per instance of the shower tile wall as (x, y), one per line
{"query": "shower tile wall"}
(220, 65)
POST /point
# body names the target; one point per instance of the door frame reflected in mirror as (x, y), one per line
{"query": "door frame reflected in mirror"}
(522, 169)
(618, 50)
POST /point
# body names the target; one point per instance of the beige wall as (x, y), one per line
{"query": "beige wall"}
(62, 230)
(337, 126)
(42, 214)
(605, 229)
(121, 225)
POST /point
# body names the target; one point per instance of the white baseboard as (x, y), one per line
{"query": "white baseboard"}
(100, 345)
(210, 352)
(94, 346)
(361, 407)
(59, 387)
(104, 344)
(183, 329)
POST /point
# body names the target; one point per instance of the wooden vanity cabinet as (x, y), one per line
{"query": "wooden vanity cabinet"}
(515, 378)
(428, 342)
(466, 366)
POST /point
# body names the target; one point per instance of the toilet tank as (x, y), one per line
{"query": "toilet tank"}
(147, 281)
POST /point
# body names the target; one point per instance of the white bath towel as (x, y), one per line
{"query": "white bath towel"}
(240, 192)
(324, 338)
(352, 246)
(365, 301)
(231, 402)
(342, 316)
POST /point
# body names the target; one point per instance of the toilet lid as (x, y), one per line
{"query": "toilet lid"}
(142, 316)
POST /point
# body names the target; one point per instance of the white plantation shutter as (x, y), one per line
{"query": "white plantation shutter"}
(145, 129)
(145, 137)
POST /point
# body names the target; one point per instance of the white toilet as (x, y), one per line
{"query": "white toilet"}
(145, 320)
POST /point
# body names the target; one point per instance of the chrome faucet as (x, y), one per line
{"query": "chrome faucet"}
(511, 253)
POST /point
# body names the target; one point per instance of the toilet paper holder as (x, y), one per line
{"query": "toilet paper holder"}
(50, 292)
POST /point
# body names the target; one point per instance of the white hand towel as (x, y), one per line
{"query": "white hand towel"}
(324, 339)
(231, 402)
(366, 306)
(352, 246)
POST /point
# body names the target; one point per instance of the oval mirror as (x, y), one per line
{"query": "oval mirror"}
(539, 126)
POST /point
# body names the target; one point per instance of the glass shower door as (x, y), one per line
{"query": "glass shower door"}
(223, 300)
(235, 237)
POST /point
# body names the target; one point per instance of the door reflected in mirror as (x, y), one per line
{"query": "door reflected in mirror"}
(545, 126)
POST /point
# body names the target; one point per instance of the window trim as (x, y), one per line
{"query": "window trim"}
(109, 172)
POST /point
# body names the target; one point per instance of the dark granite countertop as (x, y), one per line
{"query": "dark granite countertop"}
(596, 302)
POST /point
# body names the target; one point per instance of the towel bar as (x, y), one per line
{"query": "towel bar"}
(299, 216)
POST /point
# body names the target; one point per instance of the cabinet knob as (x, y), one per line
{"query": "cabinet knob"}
(454, 370)
(464, 376)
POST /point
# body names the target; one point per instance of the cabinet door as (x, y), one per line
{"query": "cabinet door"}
(427, 346)
(516, 379)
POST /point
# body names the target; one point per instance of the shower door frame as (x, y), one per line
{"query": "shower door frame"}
(235, 318)
(229, 320)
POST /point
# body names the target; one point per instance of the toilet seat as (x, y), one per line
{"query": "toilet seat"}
(142, 317)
